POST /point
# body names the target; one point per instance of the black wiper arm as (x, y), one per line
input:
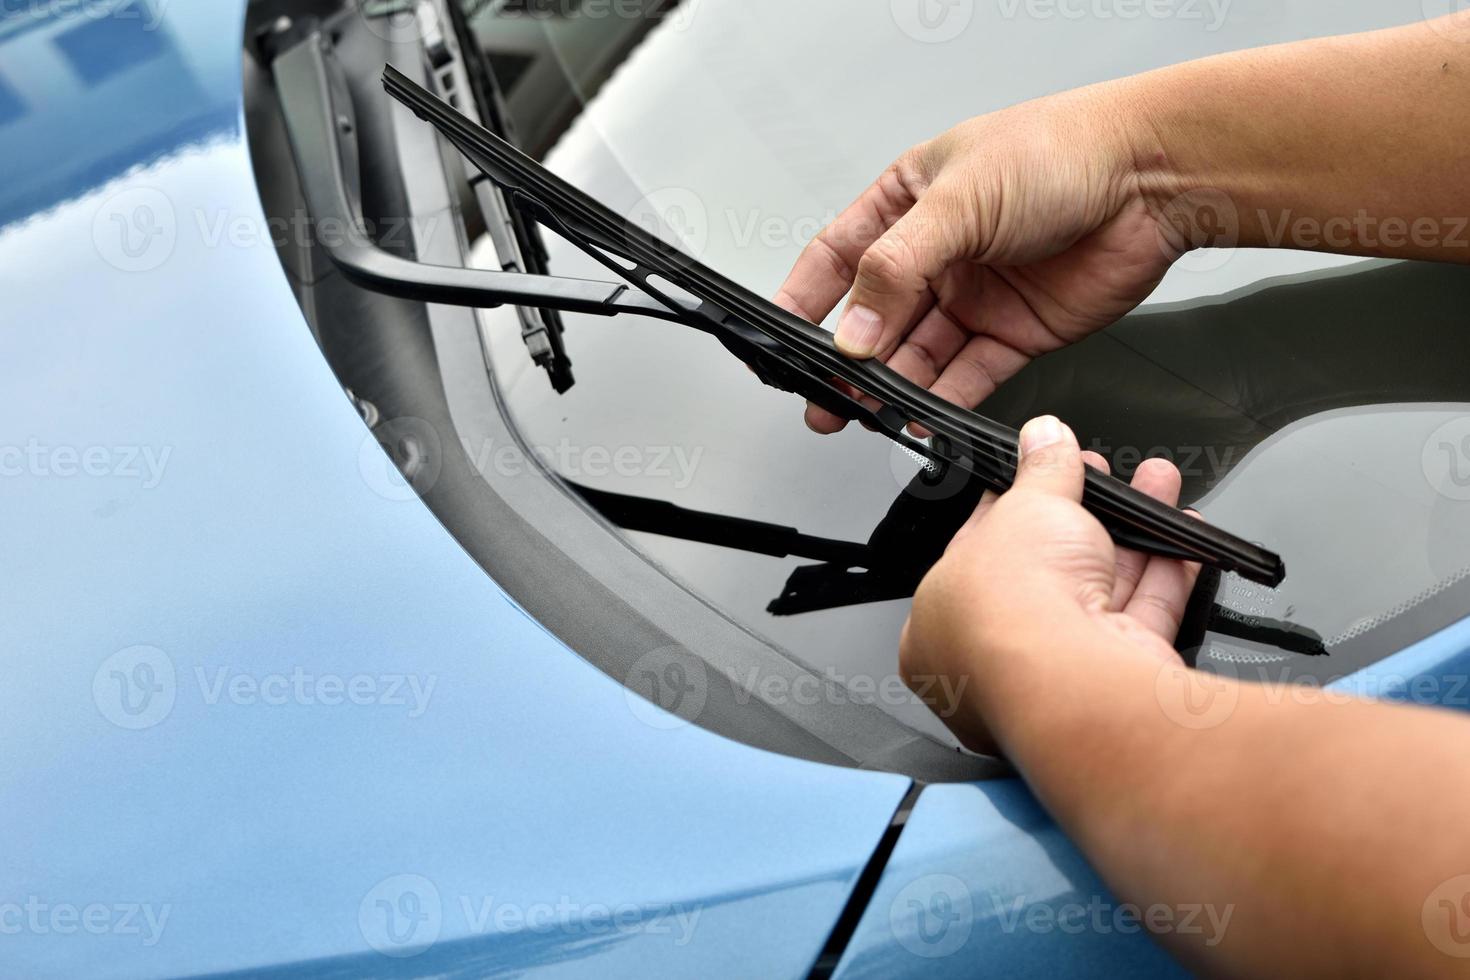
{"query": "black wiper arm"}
(321, 125)
(788, 353)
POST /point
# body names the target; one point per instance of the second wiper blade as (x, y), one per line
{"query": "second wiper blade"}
(794, 355)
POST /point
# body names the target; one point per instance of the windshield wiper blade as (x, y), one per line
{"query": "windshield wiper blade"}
(789, 353)
(321, 125)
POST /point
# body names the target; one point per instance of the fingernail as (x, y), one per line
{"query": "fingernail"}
(859, 332)
(1040, 433)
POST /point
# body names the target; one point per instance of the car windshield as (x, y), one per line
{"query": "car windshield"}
(738, 130)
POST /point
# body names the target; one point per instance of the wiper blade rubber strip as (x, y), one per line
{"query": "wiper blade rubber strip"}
(794, 355)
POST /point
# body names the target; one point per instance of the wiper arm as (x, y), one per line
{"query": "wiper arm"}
(321, 125)
(789, 353)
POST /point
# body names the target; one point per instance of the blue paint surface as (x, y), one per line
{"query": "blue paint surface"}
(983, 883)
(260, 714)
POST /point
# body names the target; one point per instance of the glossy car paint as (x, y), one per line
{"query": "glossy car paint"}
(261, 710)
(982, 879)
(263, 714)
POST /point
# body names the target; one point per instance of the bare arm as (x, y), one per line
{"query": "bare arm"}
(1023, 231)
(1328, 832)
(1357, 145)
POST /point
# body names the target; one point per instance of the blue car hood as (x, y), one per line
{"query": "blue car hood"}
(261, 714)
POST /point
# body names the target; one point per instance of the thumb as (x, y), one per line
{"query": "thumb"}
(893, 276)
(1051, 460)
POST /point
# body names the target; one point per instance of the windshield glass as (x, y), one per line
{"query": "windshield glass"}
(739, 129)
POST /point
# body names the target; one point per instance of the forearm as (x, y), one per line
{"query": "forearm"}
(1358, 145)
(1274, 810)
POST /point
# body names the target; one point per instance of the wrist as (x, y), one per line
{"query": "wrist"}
(1166, 174)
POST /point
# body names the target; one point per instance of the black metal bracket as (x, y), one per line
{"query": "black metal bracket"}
(321, 125)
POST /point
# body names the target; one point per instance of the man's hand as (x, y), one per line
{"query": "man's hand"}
(1033, 565)
(1010, 236)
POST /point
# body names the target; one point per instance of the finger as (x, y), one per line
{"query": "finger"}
(823, 422)
(989, 497)
(1051, 460)
(1163, 594)
(929, 348)
(1158, 479)
(893, 278)
(828, 265)
(980, 367)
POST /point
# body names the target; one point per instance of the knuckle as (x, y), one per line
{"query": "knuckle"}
(884, 267)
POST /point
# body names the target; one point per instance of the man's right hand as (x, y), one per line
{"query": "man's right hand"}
(1012, 235)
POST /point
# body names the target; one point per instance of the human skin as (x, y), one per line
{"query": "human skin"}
(1020, 232)
(1332, 827)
